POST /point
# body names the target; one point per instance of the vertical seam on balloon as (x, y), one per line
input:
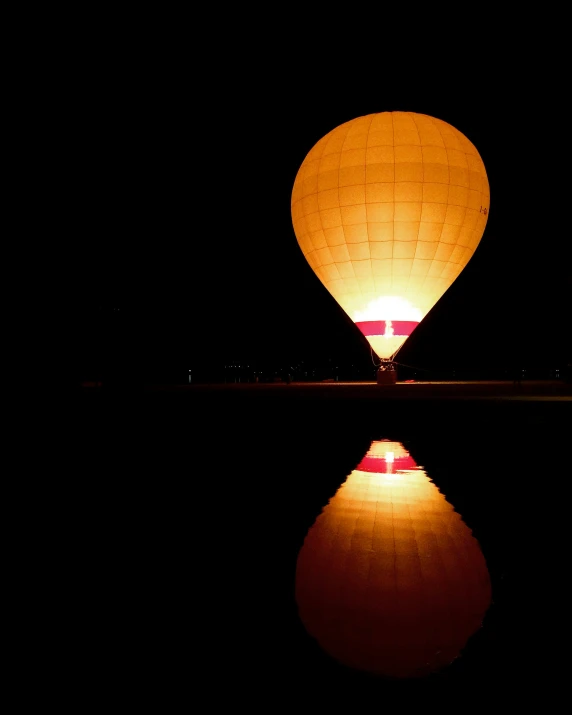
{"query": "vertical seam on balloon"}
(347, 129)
(448, 176)
(423, 179)
(371, 117)
(323, 149)
(393, 221)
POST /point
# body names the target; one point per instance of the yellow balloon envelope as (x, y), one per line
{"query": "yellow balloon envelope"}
(388, 209)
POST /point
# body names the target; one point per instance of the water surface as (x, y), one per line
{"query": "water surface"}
(175, 557)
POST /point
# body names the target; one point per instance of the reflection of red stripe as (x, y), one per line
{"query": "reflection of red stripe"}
(380, 327)
(381, 466)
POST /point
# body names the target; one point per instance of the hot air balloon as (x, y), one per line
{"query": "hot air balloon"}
(388, 209)
(390, 580)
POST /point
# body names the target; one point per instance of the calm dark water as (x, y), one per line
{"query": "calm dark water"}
(175, 525)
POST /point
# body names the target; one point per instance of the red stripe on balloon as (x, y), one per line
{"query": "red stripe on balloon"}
(400, 328)
(382, 466)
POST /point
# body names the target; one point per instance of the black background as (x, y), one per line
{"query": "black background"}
(167, 149)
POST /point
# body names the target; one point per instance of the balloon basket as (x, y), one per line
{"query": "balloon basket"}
(386, 374)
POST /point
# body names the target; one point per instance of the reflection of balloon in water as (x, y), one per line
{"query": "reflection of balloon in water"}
(388, 209)
(389, 579)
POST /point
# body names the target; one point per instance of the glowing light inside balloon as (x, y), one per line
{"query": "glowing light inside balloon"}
(388, 308)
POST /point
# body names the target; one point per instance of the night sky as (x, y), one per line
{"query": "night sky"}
(174, 186)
